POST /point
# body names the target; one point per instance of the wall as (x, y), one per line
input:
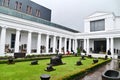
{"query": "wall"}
(34, 41)
(109, 21)
(117, 23)
(91, 44)
(24, 37)
(117, 43)
(45, 13)
(43, 40)
(8, 36)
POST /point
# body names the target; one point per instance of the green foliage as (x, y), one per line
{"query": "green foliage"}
(84, 71)
(78, 51)
(4, 60)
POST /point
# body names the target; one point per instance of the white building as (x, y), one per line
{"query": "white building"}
(20, 32)
(102, 33)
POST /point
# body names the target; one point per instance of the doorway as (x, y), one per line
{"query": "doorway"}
(99, 46)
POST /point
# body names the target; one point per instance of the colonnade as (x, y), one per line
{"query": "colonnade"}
(29, 42)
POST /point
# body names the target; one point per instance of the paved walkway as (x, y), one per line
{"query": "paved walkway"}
(97, 74)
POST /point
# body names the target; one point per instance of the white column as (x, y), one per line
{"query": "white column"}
(108, 45)
(65, 46)
(87, 46)
(17, 42)
(112, 47)
(75, 45)
(60, 44)
(69, 45)
(54, 44)
(29, 42)
(47, 43)
(2, 43)
(39, 43)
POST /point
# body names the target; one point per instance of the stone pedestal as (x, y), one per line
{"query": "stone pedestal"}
(35, 62)
(45, 77)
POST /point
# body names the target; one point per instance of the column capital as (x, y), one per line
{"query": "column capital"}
(47, 34)
(30, 31)
(39, 32)
(111, 37)
(60, 37)
(4, 27)
(55, 35)
(87, 38)
(107, 37)
(18, 29)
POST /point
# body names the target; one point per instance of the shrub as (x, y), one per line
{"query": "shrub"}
(81, 73)
(29, 58)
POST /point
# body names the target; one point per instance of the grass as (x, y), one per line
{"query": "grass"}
(25, 71)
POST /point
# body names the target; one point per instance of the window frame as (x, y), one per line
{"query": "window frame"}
(6, 3)
(95, 25)
(37, 13)
(18, 6)
(29, 9)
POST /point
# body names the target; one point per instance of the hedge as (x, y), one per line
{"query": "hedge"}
(30, 58)
(81, 73)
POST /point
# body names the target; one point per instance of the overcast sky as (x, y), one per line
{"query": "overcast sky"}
(71, 13)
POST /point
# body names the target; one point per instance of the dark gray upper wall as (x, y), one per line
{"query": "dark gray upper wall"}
(45, 13)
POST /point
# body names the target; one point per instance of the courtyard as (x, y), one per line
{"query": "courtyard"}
(25, 71)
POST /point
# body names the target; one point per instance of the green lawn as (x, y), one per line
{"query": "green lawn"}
(25, 71)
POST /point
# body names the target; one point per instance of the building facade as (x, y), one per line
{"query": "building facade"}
(28, 7)
(102, 33)
(25, 27)
(23, 32)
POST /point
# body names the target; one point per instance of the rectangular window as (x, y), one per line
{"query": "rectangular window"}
(29, 10)
(37, 13)
(6, 3)
(97, 25)
(13, 40)
(18, 6)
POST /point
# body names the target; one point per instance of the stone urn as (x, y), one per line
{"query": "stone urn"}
(35, 62)
(11, 60)
(106, 57)
(78, 63)
(89, 56)
(82, 57)
(49, 68)
(56, 60)
(111, 75)
(95, 60)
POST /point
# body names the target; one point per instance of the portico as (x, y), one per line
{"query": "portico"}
(14, 40)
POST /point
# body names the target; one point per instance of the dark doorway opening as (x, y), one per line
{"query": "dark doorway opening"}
(13, 40)
(99, 46)
(67, 45)
(58, 44)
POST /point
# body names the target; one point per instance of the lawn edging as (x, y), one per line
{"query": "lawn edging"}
(83, 72)
(42, 57)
